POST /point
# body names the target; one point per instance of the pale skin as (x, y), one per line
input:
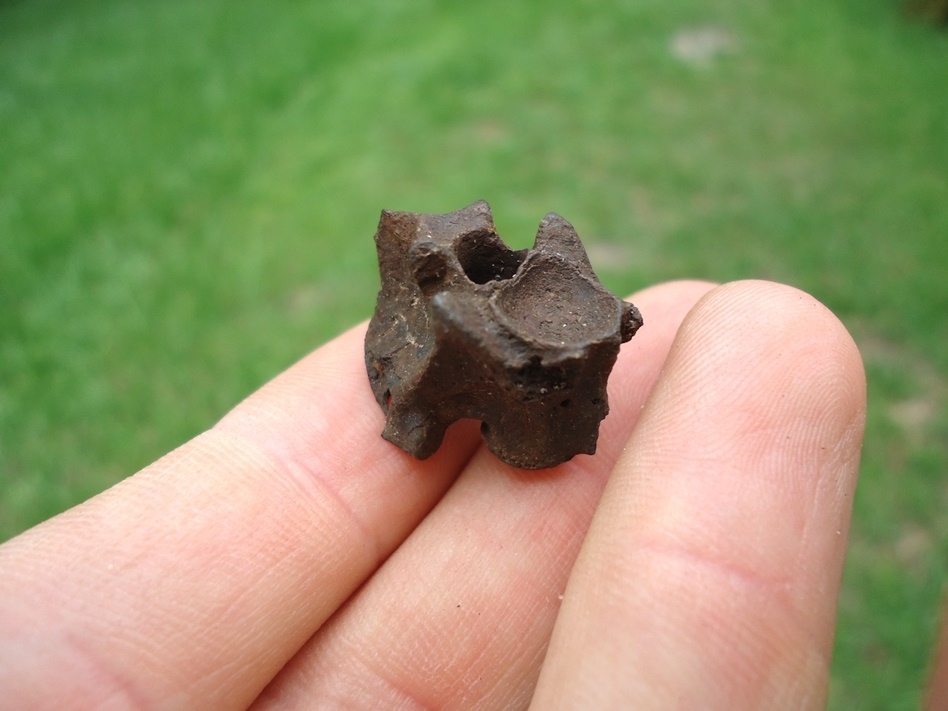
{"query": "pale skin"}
(291, 558)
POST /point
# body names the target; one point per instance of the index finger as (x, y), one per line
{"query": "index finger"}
(192, 582)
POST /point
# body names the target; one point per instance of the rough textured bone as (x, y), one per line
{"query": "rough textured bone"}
(465, 327)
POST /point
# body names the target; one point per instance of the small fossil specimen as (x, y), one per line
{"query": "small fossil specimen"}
(465, 327)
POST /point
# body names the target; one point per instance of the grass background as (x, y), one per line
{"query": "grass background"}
(188, 191)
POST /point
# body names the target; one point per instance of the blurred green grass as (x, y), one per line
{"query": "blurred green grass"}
(188, 192)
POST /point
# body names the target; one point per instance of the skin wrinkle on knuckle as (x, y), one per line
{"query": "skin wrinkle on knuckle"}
(770, 618)
(326, 506)
(365, 680)
(675, 551)
(757, 660)
(102, 685)
(791, 462)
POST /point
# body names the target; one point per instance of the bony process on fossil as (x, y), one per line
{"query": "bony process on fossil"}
(465, 327)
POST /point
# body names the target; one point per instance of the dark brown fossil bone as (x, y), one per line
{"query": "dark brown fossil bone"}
(465, 327)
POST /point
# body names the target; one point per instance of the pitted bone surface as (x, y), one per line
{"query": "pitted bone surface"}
(465, 327)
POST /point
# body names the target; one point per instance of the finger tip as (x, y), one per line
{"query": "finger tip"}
(769, 319)
(785, 373)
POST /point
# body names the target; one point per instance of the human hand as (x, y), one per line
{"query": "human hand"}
(291, 558)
